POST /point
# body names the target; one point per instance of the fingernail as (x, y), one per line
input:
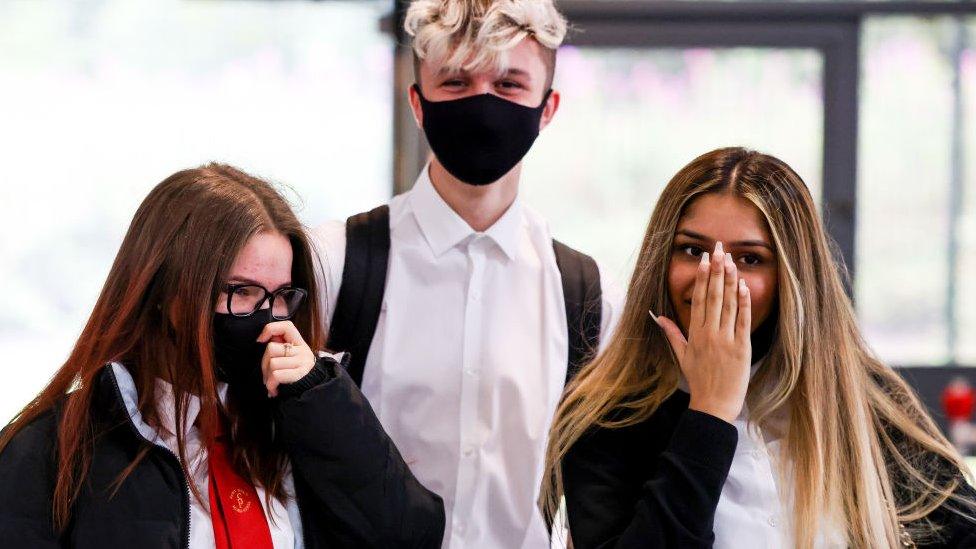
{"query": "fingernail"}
(742, 285)
(704, 259)
(654, 316)
(719, 250)
(728, 260)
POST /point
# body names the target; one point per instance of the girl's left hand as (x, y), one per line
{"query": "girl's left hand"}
(287, 359)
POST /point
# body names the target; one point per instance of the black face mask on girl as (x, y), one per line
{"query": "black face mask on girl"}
(478, 139)
(238, 353)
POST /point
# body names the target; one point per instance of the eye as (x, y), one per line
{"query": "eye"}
(750, 259)
(245, 291)
(454, 83)
(510, 85)
(691, 250)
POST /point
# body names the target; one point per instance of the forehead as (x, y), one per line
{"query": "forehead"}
(265, 258)
(526, 57)
(724, 217)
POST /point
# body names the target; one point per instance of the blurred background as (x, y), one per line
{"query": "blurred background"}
(874, 105)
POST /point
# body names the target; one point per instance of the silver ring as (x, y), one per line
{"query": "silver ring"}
(288, 347)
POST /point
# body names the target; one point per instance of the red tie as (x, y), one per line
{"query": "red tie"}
(237, 515)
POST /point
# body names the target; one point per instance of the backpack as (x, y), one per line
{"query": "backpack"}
(364, 283)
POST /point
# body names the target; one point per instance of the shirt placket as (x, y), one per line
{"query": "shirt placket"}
(470, 439)
(769, 498)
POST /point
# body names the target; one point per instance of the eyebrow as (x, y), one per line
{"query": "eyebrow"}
(517, 72)
(244, 280)
(692, 234)
(446, 73)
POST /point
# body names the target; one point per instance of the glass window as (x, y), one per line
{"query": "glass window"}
(965, 306)
(910, 236)
(631, 118)
(103, 100)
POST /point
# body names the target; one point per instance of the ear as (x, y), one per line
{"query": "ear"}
(552, 105)
(418, 112)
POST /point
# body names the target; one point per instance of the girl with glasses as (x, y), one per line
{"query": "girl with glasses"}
(197, 408)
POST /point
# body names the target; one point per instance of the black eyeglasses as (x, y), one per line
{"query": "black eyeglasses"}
(246, 299)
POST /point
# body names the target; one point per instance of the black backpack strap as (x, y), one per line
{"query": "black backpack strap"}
(584, 304)
(363, 285)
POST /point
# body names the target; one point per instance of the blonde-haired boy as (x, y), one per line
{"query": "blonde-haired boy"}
(467, 322)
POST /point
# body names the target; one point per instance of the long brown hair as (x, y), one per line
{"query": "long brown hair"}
(864, 455)
(155, 315)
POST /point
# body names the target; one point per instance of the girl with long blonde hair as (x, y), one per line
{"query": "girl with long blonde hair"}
(737, 404)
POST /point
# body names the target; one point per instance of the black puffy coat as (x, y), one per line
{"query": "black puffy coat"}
(352, 487)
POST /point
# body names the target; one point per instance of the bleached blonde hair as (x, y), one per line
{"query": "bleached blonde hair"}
(476, 35)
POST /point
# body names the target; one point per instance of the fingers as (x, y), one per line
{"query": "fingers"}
(285, 363)
(673, 333)
(276, 349)
(698, 296)
(743, 321)
(716, 287)
(280, 370)
(283, 370)
(271, 383)
(730, 303)
(283, 329)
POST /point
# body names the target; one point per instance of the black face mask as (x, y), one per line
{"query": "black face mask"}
(478, 139)
(238, 353)
(764, 335)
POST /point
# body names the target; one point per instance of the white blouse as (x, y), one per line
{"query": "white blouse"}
(756, 504)
(286, 528)
(755, 508)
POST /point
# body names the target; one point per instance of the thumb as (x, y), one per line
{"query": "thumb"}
(673, 333)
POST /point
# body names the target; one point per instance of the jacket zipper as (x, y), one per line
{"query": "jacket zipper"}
(301, 512)
(176, 459)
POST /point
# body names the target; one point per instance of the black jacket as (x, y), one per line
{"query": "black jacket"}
(657, 483)
(352, 487)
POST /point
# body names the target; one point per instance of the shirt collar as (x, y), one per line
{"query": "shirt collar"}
(444, 229)
(165, 403)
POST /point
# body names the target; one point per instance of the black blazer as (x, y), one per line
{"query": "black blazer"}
(657, 483)
(352, 487)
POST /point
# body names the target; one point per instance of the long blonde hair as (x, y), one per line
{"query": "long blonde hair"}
(864, 454)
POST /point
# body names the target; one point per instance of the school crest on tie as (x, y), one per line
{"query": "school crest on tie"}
(239, 500)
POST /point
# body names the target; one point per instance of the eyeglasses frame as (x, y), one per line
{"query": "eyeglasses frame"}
(229, 289)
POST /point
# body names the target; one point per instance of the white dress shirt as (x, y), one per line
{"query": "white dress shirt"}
(755, 508)
(286, 532)
(468, 360)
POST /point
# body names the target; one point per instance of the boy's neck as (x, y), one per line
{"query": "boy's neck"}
(480, 206)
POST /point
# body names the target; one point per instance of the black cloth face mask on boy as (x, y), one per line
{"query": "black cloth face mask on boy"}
(478, 139)
(238, 353)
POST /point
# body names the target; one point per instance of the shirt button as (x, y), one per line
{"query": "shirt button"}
(469, 450)
(773, 522)
(756, 454)
(475, 295)
(460, 528)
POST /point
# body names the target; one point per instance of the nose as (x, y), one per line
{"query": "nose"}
(481, 87)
